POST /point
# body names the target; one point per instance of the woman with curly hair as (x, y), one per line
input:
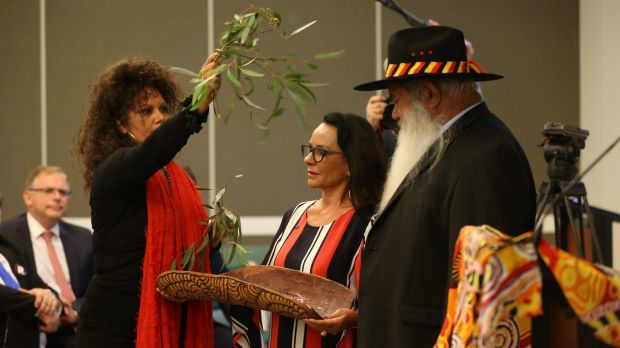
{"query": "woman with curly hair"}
(144, 208)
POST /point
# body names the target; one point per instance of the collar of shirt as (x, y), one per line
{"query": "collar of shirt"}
(36, 229)
(459, 115)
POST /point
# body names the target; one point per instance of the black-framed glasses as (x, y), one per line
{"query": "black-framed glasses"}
(318, 153)
(51, 190)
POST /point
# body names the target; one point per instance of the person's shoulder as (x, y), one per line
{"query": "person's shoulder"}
(12, 225)
(301, 205)
(75, 229)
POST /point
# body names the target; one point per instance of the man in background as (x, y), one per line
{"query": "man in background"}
(61, 253)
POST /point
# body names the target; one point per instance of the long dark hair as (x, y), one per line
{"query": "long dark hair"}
(365, 156)
(116, 91)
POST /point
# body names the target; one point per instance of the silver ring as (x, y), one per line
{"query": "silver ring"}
(323, 333)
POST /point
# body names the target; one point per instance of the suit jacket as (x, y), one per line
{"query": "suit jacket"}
(77, 243)
(483, 177)
(18, 325)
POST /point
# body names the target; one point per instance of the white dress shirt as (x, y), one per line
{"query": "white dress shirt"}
(41, 257)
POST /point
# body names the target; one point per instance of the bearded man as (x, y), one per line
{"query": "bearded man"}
(455, 164)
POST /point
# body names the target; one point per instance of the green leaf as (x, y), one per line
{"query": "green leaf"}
(315, 85)
(186, 255)
(251, 84)
(299, 106)
(203, 245)
(300, 29)
(192, 260)
(301, 90)
(276, 112)
(245, 33)
(309, 92)
(329, 55)
(313, 66)
(219, 195)
(262, 127)
(232, 78)
(183, 71)
(251, 103)
(173, 265)
(241, 248)
(230, 215)
(249, 62)
(227, 113)
(251, 73)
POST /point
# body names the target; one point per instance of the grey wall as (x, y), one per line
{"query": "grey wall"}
(533, 43)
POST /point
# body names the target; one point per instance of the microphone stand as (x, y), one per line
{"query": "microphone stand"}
(412, 19)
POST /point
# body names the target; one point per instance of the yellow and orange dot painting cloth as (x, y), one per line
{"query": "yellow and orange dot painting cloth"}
(496, 290)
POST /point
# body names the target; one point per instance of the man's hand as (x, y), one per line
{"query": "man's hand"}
(70, 316)
(49, 323)
(214, 84)
(374, 111)
(343, 318)
(45, 301)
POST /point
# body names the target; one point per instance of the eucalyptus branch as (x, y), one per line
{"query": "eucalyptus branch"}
(224, 226)
(242, 63)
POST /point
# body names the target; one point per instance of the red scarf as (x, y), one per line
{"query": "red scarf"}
(173, 216)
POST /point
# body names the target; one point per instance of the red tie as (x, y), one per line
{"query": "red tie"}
(66, 293)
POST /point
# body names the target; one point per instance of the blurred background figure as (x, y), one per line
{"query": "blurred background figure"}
(59, 252)
(23, 313)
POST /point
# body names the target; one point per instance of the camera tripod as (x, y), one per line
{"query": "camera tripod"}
(570, 209)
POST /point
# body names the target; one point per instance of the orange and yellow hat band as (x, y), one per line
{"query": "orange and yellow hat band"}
(433, 68)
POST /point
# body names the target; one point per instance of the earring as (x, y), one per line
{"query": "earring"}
(132, 137)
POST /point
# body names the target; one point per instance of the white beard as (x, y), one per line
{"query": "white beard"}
(417, 133)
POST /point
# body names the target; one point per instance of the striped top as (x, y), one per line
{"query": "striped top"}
(328, 251)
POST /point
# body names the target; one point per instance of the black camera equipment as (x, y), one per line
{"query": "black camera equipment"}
(563, 194)
(388, 122)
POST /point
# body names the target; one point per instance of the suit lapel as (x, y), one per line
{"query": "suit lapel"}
(25, 243)
(425, 162)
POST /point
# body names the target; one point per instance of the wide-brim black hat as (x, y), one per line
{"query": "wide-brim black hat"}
(427, 52)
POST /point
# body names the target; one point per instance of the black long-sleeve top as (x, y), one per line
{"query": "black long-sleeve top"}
(119, 219)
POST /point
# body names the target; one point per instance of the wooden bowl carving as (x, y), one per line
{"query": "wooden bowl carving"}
(287, 292)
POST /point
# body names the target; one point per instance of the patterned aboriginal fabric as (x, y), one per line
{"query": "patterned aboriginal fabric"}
(329, 251)
(592, 291)
(495, 290)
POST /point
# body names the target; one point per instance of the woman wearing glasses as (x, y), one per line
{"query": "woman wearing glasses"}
(144, 208)
(345, 161)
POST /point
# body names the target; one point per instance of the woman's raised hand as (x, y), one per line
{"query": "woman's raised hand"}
(214, 84)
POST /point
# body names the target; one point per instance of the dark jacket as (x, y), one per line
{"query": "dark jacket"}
(18, 325)
(482, 178)
(77, 243)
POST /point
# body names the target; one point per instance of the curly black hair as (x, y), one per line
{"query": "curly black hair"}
(119, 89)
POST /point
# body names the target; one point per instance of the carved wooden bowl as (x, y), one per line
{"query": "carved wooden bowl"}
(280, 290)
